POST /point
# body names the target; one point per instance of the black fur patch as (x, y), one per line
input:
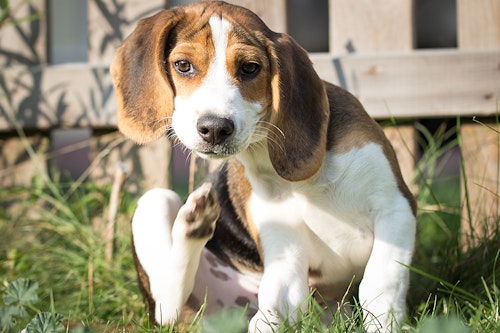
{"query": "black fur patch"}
(231, 241)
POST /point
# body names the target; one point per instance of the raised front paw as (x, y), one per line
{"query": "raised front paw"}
(200, 212)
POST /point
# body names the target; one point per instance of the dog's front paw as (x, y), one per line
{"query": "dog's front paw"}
(199, 213)
(384, 323)
(264, 322)
(166, 312)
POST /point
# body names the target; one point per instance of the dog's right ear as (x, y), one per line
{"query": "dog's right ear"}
(144, 94)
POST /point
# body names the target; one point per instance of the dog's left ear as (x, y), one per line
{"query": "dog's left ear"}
(143, 91)
(300, 111)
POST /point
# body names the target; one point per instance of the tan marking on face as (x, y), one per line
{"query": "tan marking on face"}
(254, 89)
(199, 51)
(249, 42)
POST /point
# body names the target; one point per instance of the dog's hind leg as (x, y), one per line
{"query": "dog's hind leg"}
(152, 237)
(168, 239)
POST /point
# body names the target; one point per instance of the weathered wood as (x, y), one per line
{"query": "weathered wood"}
(478, 24)
(30, 46)
(370, 25)
(479, 29)
(273, 13)
(110, 22)
(481, 152)
(402, 138)
(16, 166)
(440, 83)
(46, 97)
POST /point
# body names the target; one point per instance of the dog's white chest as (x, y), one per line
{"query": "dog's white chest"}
(333, 213)
(339, 243)
(333, 244)
(340, 239)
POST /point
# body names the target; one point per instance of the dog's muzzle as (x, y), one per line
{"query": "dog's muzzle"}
(216, 133)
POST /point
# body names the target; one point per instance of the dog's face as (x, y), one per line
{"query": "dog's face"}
(221, 80)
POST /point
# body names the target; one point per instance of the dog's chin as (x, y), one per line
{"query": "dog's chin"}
(212, 156)
(217, 152)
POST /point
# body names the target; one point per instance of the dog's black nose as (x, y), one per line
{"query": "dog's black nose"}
(215, 130)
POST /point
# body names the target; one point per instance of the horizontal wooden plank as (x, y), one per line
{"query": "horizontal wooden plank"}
(440, 83)
(44, 97)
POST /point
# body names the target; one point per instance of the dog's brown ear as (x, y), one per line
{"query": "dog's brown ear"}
(300, 111)
(143, 91)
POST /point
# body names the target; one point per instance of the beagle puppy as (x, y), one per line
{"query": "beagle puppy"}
(309, 199)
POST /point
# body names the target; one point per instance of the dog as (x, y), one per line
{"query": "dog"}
(309, 198)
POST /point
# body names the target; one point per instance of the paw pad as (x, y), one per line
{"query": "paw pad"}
(201, 211)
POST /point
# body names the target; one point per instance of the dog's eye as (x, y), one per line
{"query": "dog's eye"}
(183, 67)
(249, 69)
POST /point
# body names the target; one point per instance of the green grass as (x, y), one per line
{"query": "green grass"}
(47, 236)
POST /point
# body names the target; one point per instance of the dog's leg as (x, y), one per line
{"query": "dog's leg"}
(284, 288)
(169, 238)
(382, 291)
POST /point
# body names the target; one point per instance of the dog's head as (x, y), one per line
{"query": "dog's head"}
(222, 81)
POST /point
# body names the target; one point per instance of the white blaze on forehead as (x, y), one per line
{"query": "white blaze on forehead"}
(220, 31)
(217, 76)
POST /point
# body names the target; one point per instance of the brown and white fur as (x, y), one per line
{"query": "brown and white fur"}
(310, 196)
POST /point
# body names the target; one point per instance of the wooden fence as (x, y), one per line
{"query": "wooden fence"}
(407, 60)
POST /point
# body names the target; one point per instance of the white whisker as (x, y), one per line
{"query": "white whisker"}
(154, 122)
(272, 127)
(271, 132)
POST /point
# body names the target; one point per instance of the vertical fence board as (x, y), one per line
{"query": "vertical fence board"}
(402, 138)
(370, 25)
(478, 24)
(480, 149)
(273, 13)
(479, 28)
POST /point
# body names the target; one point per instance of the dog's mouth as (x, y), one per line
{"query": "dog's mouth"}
(206, 150)
(216, 151)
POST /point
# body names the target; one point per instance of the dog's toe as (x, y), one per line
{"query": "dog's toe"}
(200, 212)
